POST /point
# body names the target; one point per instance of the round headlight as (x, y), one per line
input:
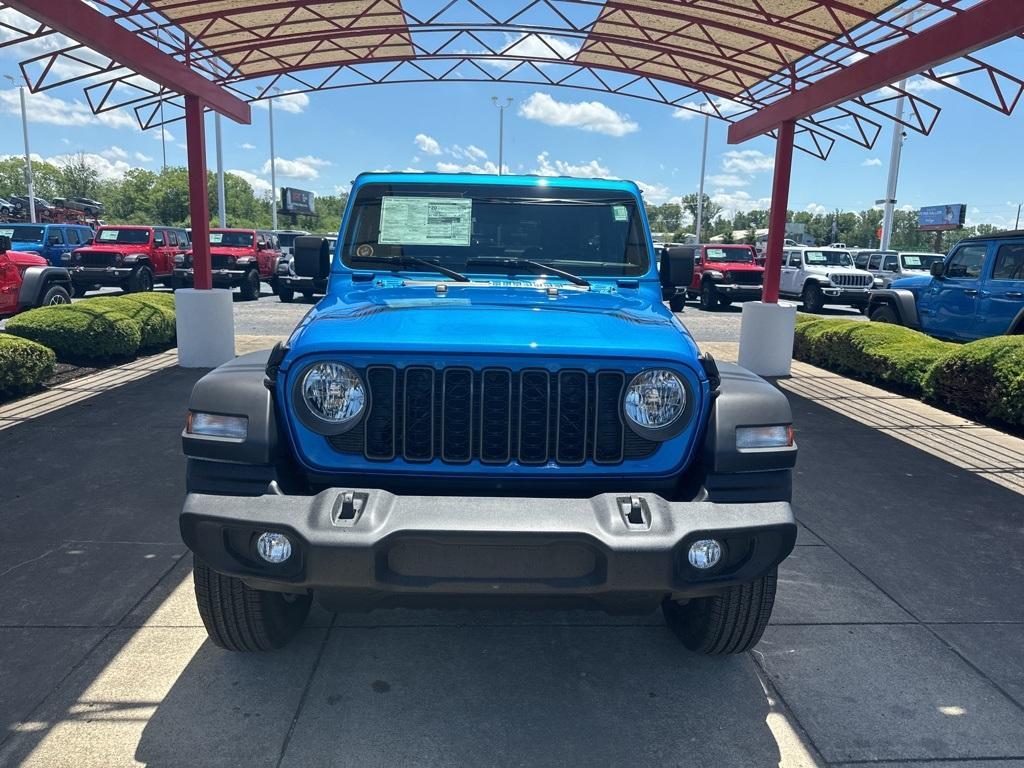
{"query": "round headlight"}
(654, 400)
(334, 392)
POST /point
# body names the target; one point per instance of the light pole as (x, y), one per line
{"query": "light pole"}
(28, 155)
(700, 193)
(221, 208)
(501, 130)
(273, 168)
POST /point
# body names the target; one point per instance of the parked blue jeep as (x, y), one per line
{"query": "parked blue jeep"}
(51, 241)
(977, 291)
(491, 405)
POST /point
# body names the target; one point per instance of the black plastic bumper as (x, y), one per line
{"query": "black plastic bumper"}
(854, 296)
(361, 547)
(114, 276)
(222, 278)
(739, 291)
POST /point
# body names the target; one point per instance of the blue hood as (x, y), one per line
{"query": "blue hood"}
(502, 319)
(914, 284)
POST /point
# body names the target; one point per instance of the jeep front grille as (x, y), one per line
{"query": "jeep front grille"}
(94, 259)
(852, 281)
(218, 261)
(495, 416)
(745, 277)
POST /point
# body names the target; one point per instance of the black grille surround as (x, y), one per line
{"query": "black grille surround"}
(94, 258)
(494, 415)
(745, 277)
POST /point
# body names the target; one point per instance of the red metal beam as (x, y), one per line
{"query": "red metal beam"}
(981, 25)
(198, 192)
(779, 211)
(91, 28)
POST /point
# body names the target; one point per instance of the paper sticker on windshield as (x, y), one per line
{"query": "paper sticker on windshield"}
(7, 233)
(425, 221)
(908, 261)
(216, 238)
(364, 251)
(619, 213)
(109, 234)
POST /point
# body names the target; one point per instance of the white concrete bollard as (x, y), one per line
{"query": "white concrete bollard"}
(766, 338)
(206, 327)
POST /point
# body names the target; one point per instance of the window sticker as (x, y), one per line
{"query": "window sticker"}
(912, 261)
(216, 238)
(7, 233)
(109, 234)
(619, 213)
(425, 221)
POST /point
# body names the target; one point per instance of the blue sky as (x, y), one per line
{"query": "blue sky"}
(974, 154)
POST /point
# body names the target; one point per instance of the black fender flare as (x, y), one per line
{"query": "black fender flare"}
(36, 279)
(902, 302)
(138, 260)
(1017, 326)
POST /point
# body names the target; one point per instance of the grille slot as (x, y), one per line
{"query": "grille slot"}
(494, 416)
(852, 281)
(746, 277)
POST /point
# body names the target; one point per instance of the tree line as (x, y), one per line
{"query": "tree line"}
(142, 196)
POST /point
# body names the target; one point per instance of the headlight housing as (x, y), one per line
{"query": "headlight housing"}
(656, 403)
(331, 396)
(714, 274)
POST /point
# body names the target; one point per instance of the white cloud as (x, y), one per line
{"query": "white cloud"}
(467, 153)
(725, 107)
(105, 167)
(43, 108)
(168, 136)
(590, 116)
(258, 183)
(247, 145)
(588, 170)
(114, 153)
(853, 58)
(923, 84)
(816, 208)
(655, 193)
(529, 46)
(727, 180)
(299, 168)
(488, 167)
(746, 161)
(286, 102)
(872, 162)
(427, 144)
(734, 202)
(143, 158)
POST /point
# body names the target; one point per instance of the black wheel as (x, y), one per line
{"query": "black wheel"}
(140, 281)
(708, 297)
(731, 622)
(250, 287)
(812, 298)
(55, 294)
(677, 302)
(724, 302)
(883, 313)
(285, 293)
(273, 286)
(238, 618)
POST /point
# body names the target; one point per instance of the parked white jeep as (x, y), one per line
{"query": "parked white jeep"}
(817, 276)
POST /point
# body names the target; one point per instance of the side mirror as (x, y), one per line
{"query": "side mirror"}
(679, 261)
(312, 257)
(938, 268)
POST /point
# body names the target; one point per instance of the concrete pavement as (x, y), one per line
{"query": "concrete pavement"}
(896, 639)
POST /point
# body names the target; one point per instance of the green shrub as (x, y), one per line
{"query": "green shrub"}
(79, 332)
(156, 322)
(24, 365)
(983, 379)
(162, 300)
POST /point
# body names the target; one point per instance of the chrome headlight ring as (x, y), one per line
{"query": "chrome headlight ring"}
(330, 397)
(658, 404)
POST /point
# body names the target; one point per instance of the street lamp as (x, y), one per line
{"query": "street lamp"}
(28, 155)
(501, 129)
(273, 166)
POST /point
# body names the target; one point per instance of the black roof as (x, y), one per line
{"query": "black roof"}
(1012, 234)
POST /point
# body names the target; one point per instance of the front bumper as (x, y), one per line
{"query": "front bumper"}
(358, 548)
(846, 295)
(739, 291)
(221, 277)
(100, 275)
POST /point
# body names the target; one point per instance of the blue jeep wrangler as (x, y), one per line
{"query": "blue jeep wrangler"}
(54, 242)
(977, 291)
(491, 405)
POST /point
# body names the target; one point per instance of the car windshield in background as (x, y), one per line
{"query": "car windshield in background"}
(287, 241)
(921, 261)
(734, 255)
(485, 229)
(231, 239)
(21, 234)
(828, 259)
(123, 236)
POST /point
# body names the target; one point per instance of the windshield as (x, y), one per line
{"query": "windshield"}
(23, 234)
(231, 239)
(828, 259)
(123, 236)
(287, 240)
(734, 255)
(921, 261)
(581, 231)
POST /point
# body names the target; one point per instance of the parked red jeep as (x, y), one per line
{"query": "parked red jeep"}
(27, 281)
(242, 257)
(723, 274)
(132, 258)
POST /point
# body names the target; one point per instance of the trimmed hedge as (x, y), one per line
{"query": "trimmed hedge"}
(983, 379)
(24, 365)
(78, 333)
(156, 322)
(162, 300)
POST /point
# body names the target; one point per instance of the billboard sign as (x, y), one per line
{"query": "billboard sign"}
(296, 200)
(939, 218)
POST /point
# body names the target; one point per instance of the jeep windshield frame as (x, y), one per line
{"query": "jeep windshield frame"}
(733, 254)
(823, 258)
(122, 236)
(228, 238)
(482, 229)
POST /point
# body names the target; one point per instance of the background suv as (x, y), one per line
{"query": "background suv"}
(819, 275)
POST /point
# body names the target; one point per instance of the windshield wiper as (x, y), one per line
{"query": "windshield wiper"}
(536, 266)
(416, 261)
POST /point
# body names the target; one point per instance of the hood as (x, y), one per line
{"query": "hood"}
(99, 247)
(22, 259)
(734, 266)
(915, 283)
(501, 319)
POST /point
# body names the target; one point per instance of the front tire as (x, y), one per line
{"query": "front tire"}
(708, 297)
(885, 314)
(677, 302)
(250, 287)
(285, 293)
(55, 294)
(730, 622)
(238, 618)
(140, 281)
(813, 299)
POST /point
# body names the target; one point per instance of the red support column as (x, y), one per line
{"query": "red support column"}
(779, 209)
(198, 193)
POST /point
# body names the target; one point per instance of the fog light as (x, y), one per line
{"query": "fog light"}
(704, 554)
(275, 547)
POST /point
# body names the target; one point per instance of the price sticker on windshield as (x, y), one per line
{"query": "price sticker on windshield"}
(7, 233)
(425, 221)
(109, 234)
(216, 238)
(619, 213)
